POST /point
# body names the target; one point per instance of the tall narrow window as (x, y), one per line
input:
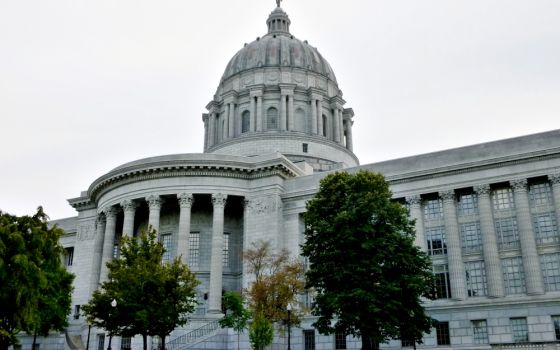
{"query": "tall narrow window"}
(433, 209)
(540, 194)
(100, 342)
(476, 278)
(441, 277)
(480, 331)
(435, 238)
(508, 235)
(467, 205)
(272, 119)
(340, 340)
(126, 343)
(514, 276)
(442, 333)
(225, 252)
(309, 339)
(76, 312)
(546, 228)
(166, 242)
(245, 122)
(550, 265)
(68, 256)
(519, 329)
(471, 237)
(502, 198)
(194, 249)
(556, 324)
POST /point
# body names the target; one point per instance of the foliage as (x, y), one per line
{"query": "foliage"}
(368, 274)
(237, 315)
(153, 298)
(35, 296)
(278, 279)
(261, 332)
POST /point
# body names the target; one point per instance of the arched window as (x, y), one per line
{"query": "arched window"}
(245, 122)
(272, 119)
(300, 123)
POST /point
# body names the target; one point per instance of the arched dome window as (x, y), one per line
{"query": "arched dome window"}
(300, 123)
(245, 122)
(272, 119)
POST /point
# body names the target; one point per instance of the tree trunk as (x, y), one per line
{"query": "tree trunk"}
(145, 341)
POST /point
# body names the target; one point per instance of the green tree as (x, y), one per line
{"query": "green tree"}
(368, 274)
(35, 293)
(261, 332)
(237, 315)
(278, 279)
(153, 298)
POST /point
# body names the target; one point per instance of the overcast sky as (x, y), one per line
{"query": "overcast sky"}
(88, 85)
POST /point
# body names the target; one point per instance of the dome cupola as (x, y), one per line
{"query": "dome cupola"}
(278, 94)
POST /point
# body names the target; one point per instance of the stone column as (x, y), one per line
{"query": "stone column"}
(185, 203)
(454, 254)
(231, 120)
(259, 113)
(205, 120)
(341, 125)
(216, 263)
(492, 262)
(154, 203)
(555, 181)
(212, 129)
(320, 125)
(129, 208)
(283, 112)
(108, 241)
(319, 114)
(349, 141)
(225, 123)
(313, 116)
(415, 203)
(291, 112)
(253, 122)
(336, 125)
(531, 260)
(97, 252)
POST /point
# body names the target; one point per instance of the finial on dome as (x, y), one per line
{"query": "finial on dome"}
(278, 3)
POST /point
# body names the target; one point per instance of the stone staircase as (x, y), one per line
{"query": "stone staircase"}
(193, 337)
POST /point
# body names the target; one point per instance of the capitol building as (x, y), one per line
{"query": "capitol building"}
(487, 214)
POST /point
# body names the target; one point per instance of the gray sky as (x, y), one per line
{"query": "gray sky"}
(88, 85)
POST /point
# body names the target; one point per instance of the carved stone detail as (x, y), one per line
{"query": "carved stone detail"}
(262, 205)
(86, 232)
(186, 200)
(483, 189)
(129, 205)
(154, 202)
(414, 200)
(447, 195)
(219, 199)
(519, 184)
(110, 212)
(554, 178)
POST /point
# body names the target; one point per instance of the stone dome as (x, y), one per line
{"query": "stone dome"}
(278, 48)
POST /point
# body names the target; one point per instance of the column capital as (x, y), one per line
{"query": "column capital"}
(554, 178)
(414, 199)
(205, 117)
(101, 219)
(154, 201)
(128, 205)
(219, 199)
(186, 200)
(483, 189)
(519, 184)
(447, 195)
(110, 212)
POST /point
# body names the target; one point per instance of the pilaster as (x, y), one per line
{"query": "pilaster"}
(415, 203)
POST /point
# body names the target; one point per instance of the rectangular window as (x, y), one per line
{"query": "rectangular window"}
(467, 205)
(100, 342)
(225, 251)
(36, 346)
(540, 194)
(550, 265)
(68, 256)
(442, 333)
(167, 246)
(126, 343)
(480, 331)
(546, 228)
(503, 199)
(514, 276)
(556, 324)
(309, 339)
(471, 237)
(433, 209)
(441, 277)
(507, 233)
(435, 238)
(406, 342)
(476, 278)
(194, 249)
(305, 148)
(340, 340)
(76, 312)
(519, 329)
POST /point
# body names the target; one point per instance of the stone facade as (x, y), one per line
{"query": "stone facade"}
(487, 214)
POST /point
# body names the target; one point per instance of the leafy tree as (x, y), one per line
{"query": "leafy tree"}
(153, 298)
(31, 277)
(237, 315)
(368, 274)
(278, 279)
(261, 332)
